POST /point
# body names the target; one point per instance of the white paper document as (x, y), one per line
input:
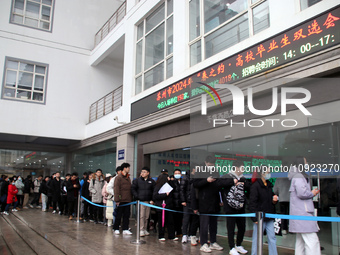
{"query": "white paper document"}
(165, 189)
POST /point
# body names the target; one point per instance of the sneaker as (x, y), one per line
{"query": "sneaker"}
(216, 246)
(54, 212)
(25, 207)
(284, 232)
(142, 233)
(31, 206)
(193, 240)
(233, 251)
(146, 233)
(38, 207)
(241, 250)
(44, 210)
(162, 239)
(60, 213)
(205, 248)
(14, 210)
(91, 220)
(127, 232)
(117, 232)
(109, 224)
(185, 239)
(175, 239)
(5, 213)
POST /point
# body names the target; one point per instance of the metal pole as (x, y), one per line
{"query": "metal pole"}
(259, 233)
(78, 208)
(138, 241)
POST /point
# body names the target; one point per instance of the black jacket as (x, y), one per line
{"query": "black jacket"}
(43, 188)
(143, 189)
(185, 190)
(208, 196)
(55, 186)
(85, 189)
(4, 187)
(176, 193)
(227, 182)
(72, 192)
(261, 198)
(158, 198)
(28, 185)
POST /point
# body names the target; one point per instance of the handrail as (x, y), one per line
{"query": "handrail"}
(112, 22)
(106, 104)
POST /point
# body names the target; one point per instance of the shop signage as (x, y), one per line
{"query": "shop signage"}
(309, 37)
(121, 154)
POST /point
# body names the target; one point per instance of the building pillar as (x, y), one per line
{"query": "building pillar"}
(125, 151)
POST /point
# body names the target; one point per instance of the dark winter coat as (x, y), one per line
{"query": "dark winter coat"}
(177, 193)
(55, 186)
(72, 192)
(261, 198)
(122, 189)
(28, 185)
(85, 192)
(143, 189)
(43, 188)
(185, 190)
(158, 198)
(208, 196)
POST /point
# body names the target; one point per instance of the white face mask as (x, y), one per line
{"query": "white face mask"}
(177, 176)
(268, 176)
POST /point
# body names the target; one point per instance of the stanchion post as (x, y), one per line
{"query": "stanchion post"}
(78, 208)
(138, 241)
(259, 216)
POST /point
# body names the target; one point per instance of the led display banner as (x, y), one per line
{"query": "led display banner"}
(307, 38)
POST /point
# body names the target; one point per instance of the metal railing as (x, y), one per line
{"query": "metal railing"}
(106, 104)
(110, 24)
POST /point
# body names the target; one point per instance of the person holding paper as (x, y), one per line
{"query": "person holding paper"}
(163, 197)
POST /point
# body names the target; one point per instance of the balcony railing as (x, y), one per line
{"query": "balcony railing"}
(106, 104)
(110, 24)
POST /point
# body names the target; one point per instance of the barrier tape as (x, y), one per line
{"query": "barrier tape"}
(250, 215)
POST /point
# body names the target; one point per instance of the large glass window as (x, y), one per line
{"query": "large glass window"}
(154, 48)
(25, 81)
(217, 25)
(307, 3)
(34, 13)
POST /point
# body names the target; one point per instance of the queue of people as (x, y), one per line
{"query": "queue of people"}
(193, 203)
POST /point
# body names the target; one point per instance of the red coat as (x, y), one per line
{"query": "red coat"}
(12, 193)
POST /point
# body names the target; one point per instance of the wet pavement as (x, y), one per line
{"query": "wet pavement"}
(32, 231)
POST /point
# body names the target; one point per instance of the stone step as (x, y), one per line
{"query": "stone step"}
(15, 243)
(37, 243)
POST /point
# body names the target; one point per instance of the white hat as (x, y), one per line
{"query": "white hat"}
(108, 175)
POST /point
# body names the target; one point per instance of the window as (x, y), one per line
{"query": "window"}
(33, 13)
(308, 3)
(154, 48)
(215, 25)
(24, 81)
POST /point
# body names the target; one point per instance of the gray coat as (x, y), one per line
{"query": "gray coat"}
(96, 190)
(301, 203)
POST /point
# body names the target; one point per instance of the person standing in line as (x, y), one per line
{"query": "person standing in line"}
(85, 192)
(263, 199)
(142, 189)
(208, 203)
(235, 185)
(96, 186)
(44, 191)
(72, 186)
(27, 190)
(4, 193)
(11, 197)
(63, 198)
(55, 186)
(106, 197)
(122, 196)
(20, 195)
(178, 217)
(110, 190)
(301, 203)
(36, 183)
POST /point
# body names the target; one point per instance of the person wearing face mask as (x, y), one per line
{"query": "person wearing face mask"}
(178, 217)
(20, 186)
(11, 196)
(301, 203)
(262, 199)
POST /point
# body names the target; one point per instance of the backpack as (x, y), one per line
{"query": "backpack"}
(236, 196)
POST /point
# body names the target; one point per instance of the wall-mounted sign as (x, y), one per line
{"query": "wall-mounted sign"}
(121, 154)
(309, 37)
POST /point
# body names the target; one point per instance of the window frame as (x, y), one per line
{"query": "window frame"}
(166, 56)
(43, 92)
(38, 19)
(203, 35)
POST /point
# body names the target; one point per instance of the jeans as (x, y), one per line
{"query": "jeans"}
(14, 206)
(44, 199)
(114, 207)
(269, 227)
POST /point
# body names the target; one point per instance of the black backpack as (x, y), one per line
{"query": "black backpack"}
(236, 196)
